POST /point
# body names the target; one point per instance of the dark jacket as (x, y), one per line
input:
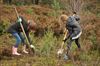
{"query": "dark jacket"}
(73, 26)
(16, 28)
(77, 17)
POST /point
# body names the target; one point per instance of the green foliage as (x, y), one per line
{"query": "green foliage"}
(90, 58)
(85, 57)
(73, 46)
(47, 2)
(48, 42)
(29, 11)
(54, 13)
(63, 5)
(93, 39)
(3, 26)
(55, 5)
(19, 3)
(92, 6)
(98, 14)
(68, 65)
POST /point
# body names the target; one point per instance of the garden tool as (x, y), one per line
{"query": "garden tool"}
(31, 46)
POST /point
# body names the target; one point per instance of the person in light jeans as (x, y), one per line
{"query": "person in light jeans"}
(16, 30)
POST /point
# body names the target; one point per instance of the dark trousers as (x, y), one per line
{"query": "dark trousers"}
(69, 43)
(76, 42)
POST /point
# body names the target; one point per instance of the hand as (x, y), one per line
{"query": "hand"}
(60, 51)
(19, 20)
(32, 46)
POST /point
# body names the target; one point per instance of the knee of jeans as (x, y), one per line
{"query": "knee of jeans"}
(18, 40)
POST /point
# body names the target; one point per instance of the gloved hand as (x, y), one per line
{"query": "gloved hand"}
(32, 46)
(60, 51)
(19, 20)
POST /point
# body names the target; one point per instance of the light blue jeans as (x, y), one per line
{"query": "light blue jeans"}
(19, 39)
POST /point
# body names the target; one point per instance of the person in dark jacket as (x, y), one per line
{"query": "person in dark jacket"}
(77, 18)
(74, 31)
(15, 30)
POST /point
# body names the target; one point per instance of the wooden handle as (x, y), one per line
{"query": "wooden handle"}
(22, 27)
(65, 34)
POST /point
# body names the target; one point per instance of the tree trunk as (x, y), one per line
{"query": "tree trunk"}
(35, 2)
